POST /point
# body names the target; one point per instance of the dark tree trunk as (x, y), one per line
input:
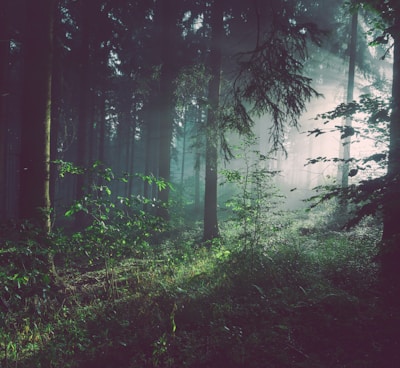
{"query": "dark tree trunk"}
(55, 126)
(82, 129)
(4, 60)
(132, 157)
(197, 165)
(151, 150)
(211, 230)
(183, 150)
(34, 197)
(102, 128)
(390, 248)
(168, 39)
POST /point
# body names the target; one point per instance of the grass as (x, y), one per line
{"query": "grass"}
(308, 300)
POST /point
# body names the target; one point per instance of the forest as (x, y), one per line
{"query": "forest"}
(204, 184)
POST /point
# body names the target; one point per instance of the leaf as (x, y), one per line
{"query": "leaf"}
(69, 213)
(316, 131)
(376, 157)
(353, 172)
(260, 290)
(347, 131)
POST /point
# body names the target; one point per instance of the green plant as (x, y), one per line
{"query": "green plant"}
(116, 227)
(256, 197)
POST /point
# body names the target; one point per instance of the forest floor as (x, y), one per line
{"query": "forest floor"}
(305, 297)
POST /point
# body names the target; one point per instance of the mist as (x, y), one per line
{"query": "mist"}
(199, 184)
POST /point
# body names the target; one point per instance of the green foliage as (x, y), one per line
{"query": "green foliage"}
(115, 227)
(159, 182)
(367, 195)
(283, 291)
(270, 80)
(65, 167)
(24, 268)
(255, 198)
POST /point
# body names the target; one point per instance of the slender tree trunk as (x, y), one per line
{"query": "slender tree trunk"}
(197, 166)
(92, 128)
(102, 128)
(147, 167)
(197, 183)
(183, 149)
(211, 230)
(346, 142)
(151, 150)
(132, 157)
(34, 197)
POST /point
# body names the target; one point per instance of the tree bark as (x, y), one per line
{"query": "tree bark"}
(390, 247)
(346, 142)
(82, 129)
(4, 60)
(197, 165)
(211, 230)
(34, 194)
(166, 98)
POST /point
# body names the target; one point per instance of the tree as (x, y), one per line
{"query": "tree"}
(390, 249)
(84, 80)
(4, 60)
(168, 40)
(346, 140)
(34, 193)
(211, 230)
(382, 195)
(268, 80)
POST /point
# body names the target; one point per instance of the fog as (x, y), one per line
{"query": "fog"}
(295, 177)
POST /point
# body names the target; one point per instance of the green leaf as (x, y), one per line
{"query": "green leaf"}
(69, 213)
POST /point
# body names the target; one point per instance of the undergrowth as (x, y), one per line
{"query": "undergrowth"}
(300, 299)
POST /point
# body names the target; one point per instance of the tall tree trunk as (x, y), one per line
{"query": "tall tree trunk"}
(151, 143)
(197, 165)
(166, 98)
(4, 60)
(56, 93)
(132, 157)
(346, 141)
(82, 129)
(102, 128)
(185, 114)
(390, 248)
(34, 196)
(211, 230)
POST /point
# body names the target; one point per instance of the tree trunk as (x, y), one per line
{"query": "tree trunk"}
(211, 230)
(34, 198)
(4, 60)
(166, 98)
(390, 247)
(185, 114)
(346, 142)
(82, 129)
(102, 129)
(132, 157)
(197, 165)
(151, 143)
